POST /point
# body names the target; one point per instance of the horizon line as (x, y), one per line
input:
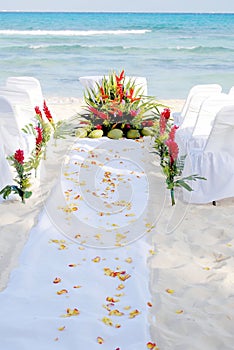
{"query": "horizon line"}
(117, 12)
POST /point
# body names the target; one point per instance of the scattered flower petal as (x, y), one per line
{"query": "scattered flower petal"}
(57, 280)
(116, 313)
(152, 346)
(178, 312)
(120, 286)
(97, 259)
(100, 340)
(70, 312)
(128, 307)
(152, 252)
(112, 300)
(62, 291)
(134, 313)
(170, 291)
(107, 321)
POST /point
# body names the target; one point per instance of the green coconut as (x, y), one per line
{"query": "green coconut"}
(81, 133)
(96, 134)
(115, 134)
(147, 132)
(133, 134)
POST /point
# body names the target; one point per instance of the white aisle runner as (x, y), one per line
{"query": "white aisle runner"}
(83, 279)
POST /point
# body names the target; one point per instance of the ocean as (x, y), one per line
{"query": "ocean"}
(173, 51)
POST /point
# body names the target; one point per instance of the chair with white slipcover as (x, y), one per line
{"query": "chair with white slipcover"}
(215, 162)
(29, 84)
(6, 177)
(206, 89)
(197, 136)
(21, 102)
(11, 135)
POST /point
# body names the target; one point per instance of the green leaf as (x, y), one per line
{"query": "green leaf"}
(27, 194)
(181, 183)
(6, 191)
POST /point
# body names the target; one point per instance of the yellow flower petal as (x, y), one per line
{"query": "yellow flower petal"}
(134, 313)
(117, 325)
(57, 280)
(70, 312)
(170, 291)
(120, 286)
(152, 346)
(178, 312)
(128, 307)
(116, 313)
(100, 340)
(107, 321)
(97, 259)
(62, 291)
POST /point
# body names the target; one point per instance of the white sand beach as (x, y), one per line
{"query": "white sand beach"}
(191, 270)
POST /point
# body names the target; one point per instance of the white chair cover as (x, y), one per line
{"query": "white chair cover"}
(206, 89)
(12, 137)
(215, 162)
(185, 130)
(91, 82)
(6, 175)
(21, 102)
(209, 109)
(29, 84)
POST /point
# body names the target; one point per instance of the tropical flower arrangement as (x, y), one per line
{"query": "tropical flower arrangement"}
(22, 178)
(117, 108)
(168, 151)
(42, 132)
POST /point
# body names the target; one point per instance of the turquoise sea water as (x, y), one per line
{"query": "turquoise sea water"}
(173, 51)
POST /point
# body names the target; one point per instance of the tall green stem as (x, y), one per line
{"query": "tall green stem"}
(172, 196)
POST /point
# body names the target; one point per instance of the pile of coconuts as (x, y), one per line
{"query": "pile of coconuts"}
(116, 134)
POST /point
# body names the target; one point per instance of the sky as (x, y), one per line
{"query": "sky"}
(119, 5)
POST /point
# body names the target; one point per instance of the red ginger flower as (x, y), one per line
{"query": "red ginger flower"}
(166, 113)
(162, 124)
(37, 110)
(173, 149)
(39, 137)
(172, 132)
(19, 156)
(47, 112)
